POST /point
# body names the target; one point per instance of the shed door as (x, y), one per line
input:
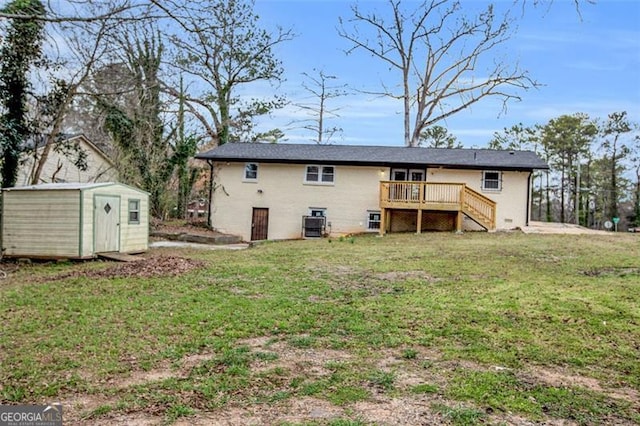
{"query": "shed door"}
(259, 224)
(106, 223)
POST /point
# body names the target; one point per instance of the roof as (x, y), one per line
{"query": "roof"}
(375, 156)
(68, 186)
(40, 141)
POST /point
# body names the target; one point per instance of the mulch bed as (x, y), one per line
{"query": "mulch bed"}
(156, 266)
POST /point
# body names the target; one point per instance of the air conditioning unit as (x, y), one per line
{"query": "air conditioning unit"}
(313, 226)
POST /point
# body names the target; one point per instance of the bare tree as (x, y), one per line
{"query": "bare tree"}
(87, 46)
(437, 51)
(222, 47)
(321, 91)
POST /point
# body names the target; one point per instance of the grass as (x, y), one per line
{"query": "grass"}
(559, 303)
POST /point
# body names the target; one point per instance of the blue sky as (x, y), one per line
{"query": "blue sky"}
(589, 65)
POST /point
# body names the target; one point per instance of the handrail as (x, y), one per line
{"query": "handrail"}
(441, 196)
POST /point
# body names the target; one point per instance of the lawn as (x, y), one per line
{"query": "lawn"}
(499, 328)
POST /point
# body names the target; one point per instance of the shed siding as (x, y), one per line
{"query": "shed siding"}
(87, 223)
(133, 237)
(44, 222)
(41, 224)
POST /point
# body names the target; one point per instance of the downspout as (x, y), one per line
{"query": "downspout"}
(529, 189)
(209, 224)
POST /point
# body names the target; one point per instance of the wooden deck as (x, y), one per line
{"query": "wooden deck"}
(427, 196)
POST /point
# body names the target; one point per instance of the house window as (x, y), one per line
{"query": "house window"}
(319, 174)
(251, 171)
(491, 181)
(413, 175)
(317, 212)
(134, 211)
(373, 221)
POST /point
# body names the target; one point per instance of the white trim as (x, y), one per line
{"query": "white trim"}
(369, 221)
(320, 174)
(245, 170)
(499, 181)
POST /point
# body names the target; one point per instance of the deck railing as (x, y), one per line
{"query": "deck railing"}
(438, 196)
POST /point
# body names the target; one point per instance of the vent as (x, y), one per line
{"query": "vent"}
(313, 226)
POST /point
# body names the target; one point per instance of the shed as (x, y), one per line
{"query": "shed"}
(74, 220)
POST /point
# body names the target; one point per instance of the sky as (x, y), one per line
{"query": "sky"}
(587, 62)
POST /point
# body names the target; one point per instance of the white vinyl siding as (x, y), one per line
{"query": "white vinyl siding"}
(42, 225)
(60, 223)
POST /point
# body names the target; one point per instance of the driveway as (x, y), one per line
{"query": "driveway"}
(559, 228)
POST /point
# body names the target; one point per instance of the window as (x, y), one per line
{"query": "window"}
(319, 174)
(317, 212)
(134, 211)
(413, 175)
(251, 171)
(327, 174)
(373, 221)
(491, 181)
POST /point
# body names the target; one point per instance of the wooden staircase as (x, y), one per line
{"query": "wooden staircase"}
(479, 208)
(428, 196)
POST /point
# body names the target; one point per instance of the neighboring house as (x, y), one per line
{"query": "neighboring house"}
(61, 168)
(285, 191)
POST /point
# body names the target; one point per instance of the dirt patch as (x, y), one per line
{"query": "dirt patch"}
(140, 377)
(558, 377)
(405, 275)
(399, 411)
(148, 267)
(400, 407)
(612, 272)
(311, 361)
(130, 419)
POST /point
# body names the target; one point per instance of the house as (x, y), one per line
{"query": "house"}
(73, 220)
(62, 168)
(284, 191)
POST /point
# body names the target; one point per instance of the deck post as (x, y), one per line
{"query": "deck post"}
(383, 221)
(459, 221)
(419, 222)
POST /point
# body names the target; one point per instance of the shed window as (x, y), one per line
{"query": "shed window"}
(134, 211)
(491, 181)
(251, 171)
(319, 174)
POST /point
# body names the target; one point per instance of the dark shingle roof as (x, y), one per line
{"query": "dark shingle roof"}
(375, 156)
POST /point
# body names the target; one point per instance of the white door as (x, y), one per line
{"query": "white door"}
(106, 223)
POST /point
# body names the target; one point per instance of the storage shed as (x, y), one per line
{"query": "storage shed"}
(74, 220)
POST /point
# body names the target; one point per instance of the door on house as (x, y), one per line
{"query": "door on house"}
(259, 224)
(106, 222)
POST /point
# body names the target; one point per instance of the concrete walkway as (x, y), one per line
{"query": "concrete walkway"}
(181, 244)
(560, 228)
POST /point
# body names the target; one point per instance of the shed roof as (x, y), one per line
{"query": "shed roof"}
(68, 186)
(375, 156)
